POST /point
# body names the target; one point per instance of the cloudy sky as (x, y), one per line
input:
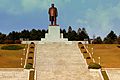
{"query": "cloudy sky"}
(99, 17)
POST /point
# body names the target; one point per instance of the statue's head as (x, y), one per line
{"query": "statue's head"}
(52, 5)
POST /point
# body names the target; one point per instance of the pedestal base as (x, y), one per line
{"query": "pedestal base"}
(54, 35)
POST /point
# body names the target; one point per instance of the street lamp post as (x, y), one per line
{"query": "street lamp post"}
(24, 51)
(21, 61)
(92, 55)
(99, 60)
(92, 51)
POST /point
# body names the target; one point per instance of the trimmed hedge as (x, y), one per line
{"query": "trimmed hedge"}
(31, 52)
(29, 66)
(32, 43)
(12, 47)
(32, 47)
(79, 43)
(94, 66)
(85, 52)
(118, 46)
(105, 76)
(82, 47)
(30, 57)
(88, 58)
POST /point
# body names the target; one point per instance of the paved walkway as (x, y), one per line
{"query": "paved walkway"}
(14, 74)
(62, 62)
(114, 74)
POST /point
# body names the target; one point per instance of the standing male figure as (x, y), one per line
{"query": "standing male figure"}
(53, 14)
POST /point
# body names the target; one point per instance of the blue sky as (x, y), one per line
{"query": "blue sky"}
(99, 17)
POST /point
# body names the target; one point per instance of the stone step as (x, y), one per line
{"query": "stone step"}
(61, 62)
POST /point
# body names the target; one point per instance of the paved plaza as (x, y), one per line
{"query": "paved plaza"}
(60, 61)
(114, 74)
(14, 74)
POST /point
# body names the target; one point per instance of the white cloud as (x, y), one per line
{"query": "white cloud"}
(32, 4)
(98, 19)
(80, 21)
(20, 6)
(101, 19)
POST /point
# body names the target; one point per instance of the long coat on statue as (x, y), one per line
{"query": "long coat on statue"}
(53, 13)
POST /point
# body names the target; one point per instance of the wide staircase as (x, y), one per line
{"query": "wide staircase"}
(60, 61)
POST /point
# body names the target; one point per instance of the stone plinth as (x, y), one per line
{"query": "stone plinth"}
(54, 35)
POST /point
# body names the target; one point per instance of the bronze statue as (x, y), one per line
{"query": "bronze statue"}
(53, 14)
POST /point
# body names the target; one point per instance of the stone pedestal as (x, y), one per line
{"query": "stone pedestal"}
(54, 35)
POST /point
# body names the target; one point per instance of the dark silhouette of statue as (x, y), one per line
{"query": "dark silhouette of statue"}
(53, 14)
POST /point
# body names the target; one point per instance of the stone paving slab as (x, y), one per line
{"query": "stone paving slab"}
(113, 74)
(13, 74)
(62, 62)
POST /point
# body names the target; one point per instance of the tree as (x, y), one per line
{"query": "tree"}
(118, 40)
(13, 36)
(83, 35)
(72, 36)
(35, 34)
(98, 40)
(2, 38)
(39, 34)
(25, 34)
(61, 31)
(64, 33)
(79, 31)
(43, 33)
(69, 29)
(111, 38)
(78, 36)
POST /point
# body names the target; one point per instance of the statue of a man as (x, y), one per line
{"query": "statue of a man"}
(53, 14)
